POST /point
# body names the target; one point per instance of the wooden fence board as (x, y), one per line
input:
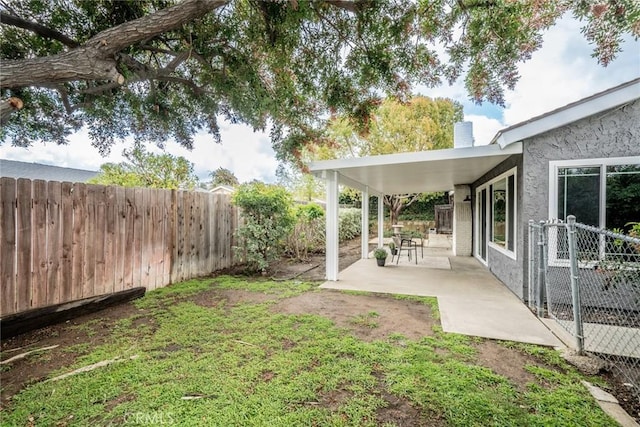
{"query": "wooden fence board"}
(79, 199)
(187, 207)
(110, 240)
(147, 250)
(178, 236)
(209, 239)
(23, 245)
(130, 230)
(54, 241)
(7, 246)
(99, 241)
(188, 248)
(153, 237)
(197, 235)
(167, 213)
(216, 232)
(138, 237)
(89, 268)
(62, 242)
(120, 236)
(39, 244)
(159, 243)
(66, 263)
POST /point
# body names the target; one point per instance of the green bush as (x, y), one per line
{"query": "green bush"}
(349, 224)
(267, 219)
(307, 234)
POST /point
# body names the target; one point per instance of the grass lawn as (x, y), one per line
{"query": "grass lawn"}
(204, 359)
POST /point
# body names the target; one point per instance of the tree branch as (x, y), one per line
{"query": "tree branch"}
(39, 29)
(94, 60)
(348, 5)
(7, 107)
(113, 40)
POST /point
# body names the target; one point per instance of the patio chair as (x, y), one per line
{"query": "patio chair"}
(416, 235)
(405, 245)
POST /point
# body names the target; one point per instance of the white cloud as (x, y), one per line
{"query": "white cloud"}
(484, 128)
(78, 153)
(246, 153)
(563, 71)
(249, 155)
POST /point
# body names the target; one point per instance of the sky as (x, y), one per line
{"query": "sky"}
(561, 72)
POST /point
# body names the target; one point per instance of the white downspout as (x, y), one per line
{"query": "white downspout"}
(331, 180)
(364, 238)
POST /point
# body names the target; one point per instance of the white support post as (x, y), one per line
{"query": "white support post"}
(332, 225)
(365, 223)
(380, 220)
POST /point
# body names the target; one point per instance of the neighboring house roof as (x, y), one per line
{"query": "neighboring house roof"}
(224, 189)
(594, 104)
(15, 169)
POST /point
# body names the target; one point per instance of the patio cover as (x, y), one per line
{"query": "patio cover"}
(427, 171)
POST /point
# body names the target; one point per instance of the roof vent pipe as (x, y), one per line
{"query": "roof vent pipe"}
(463, 135)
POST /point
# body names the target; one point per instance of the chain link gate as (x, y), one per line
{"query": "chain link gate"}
(588, 280)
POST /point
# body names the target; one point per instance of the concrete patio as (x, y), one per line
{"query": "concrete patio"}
(471, 300)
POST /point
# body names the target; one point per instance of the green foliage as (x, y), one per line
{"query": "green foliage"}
(266, 211)
(314, 58)
(380, 253)
(222, 176)
(307, 235)
(145, 169)
(420, 124)
(349, 224)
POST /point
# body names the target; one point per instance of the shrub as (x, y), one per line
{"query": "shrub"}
(267, 219)
(349, 225)
(307, 234)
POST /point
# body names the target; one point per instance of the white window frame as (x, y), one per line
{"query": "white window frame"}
(490, 244)
(478, 230)
(602, 164)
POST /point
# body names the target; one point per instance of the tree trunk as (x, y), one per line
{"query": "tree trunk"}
(96, 58)
(7, 107)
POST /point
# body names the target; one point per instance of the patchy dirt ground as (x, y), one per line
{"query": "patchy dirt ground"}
(314, 267)
(368, 317)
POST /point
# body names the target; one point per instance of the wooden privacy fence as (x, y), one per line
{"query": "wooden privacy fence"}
(61, 242)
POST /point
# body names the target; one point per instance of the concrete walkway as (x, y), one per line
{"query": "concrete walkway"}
(471, 300)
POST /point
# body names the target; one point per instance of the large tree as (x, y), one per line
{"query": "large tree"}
(145, 169)
(420, 124)
(158, 69)
(223, 176)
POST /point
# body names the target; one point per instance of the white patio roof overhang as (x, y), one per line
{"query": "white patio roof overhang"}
(425, 171)
(428, 171)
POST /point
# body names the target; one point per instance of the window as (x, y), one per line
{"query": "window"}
(496, 206)
(600, 192)
(603, 193)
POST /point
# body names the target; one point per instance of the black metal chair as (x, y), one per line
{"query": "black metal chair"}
(406, 245)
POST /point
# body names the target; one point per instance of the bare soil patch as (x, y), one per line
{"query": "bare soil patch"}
(230, 297)
(90, 330)
(507, 362)
(313, 268)
(368, 317)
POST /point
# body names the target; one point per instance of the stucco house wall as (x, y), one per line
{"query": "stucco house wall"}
(508, 270)
(612, 133)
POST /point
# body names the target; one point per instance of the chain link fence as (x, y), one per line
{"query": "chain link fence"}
(588, 280)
